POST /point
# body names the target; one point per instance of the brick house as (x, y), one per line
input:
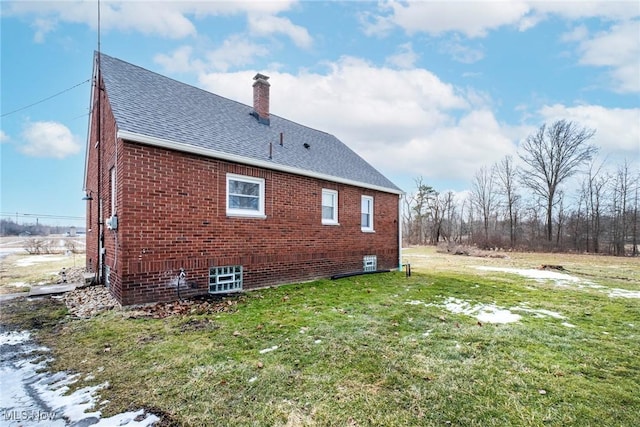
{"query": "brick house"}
(189, 192)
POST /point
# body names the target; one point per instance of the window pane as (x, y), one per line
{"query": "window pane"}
(245, 188)
(365, 220)
(327, 199)
(244, 202)
(327, 212)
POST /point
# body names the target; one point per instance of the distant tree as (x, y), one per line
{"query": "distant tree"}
(593, 189)
(483, 196)
(506, 174)
(552, 155)
(423, 209)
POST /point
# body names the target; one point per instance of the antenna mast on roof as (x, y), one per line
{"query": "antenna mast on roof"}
(99, 242)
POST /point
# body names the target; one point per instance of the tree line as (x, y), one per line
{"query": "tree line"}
(525, 205)
(11, 228)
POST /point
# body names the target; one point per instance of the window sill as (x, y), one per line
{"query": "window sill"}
(330, 223)
(245, 215)
(368, 230)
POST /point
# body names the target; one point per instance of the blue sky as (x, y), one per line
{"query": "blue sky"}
(432, 88)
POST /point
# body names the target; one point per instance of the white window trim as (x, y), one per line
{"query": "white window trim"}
(244, 212)
(334, 220)
(368, 229)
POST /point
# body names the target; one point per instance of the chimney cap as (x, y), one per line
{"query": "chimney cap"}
(261, 77)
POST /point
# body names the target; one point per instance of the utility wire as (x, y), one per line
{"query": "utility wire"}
(45, 99)
(49, 216)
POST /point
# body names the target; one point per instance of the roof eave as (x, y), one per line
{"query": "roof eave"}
(206, 152)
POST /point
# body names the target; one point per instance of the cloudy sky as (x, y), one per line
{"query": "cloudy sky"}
(435, 89)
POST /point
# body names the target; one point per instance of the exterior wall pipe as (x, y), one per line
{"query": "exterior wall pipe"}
(400, 232)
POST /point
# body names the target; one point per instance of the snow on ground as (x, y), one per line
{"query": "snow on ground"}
(32, 396)
(562, 279)
(535, 274)
(37, 259)
(623, 293)
(488, 313)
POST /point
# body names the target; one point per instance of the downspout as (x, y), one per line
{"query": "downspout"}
(400, 232)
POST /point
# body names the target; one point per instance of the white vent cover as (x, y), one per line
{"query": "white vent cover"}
(370, 263)
(225, 279)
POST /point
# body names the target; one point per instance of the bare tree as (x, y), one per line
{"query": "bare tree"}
(483, 196)
(552, 155)
(624, 216)
(593, 189)
(506, 174)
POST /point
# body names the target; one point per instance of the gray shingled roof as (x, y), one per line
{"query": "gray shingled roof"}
(152, 105)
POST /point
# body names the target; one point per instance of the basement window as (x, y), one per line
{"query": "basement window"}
(225, 279)
(369, 263)
(245, 196)
(329, 207)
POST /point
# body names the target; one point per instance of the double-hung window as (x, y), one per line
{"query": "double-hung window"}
(329, 207)
(245, 196)
(366, 210)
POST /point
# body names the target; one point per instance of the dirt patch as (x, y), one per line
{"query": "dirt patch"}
(196, 306)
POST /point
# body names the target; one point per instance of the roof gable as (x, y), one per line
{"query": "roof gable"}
(151, 108)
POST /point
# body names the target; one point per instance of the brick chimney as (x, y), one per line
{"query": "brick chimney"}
(261, 98)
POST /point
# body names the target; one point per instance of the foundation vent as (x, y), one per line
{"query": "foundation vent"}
(225, 279)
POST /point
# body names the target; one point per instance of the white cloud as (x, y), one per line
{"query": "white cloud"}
(618, 49)
(405, 122)
(48, 139)
(473, 19)
(43, 27)
(4, 137)
(179, 61)
(265, 25)
(617, 129)
(478, 18)
(460, 52)
(404, 58)
(165, 18)
(235, 51)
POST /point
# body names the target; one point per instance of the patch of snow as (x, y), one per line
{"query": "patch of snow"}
(539, 312)
(18, 284)
(13, 338)
(37, 259)
(414, 302)
(535, 274)
(568, 325)
(483, 312)
(623, 293)
(267, 350)
(253, 379)
(317, 341)
(31, 394)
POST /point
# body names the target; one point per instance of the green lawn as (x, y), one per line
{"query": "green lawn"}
(382, 350)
